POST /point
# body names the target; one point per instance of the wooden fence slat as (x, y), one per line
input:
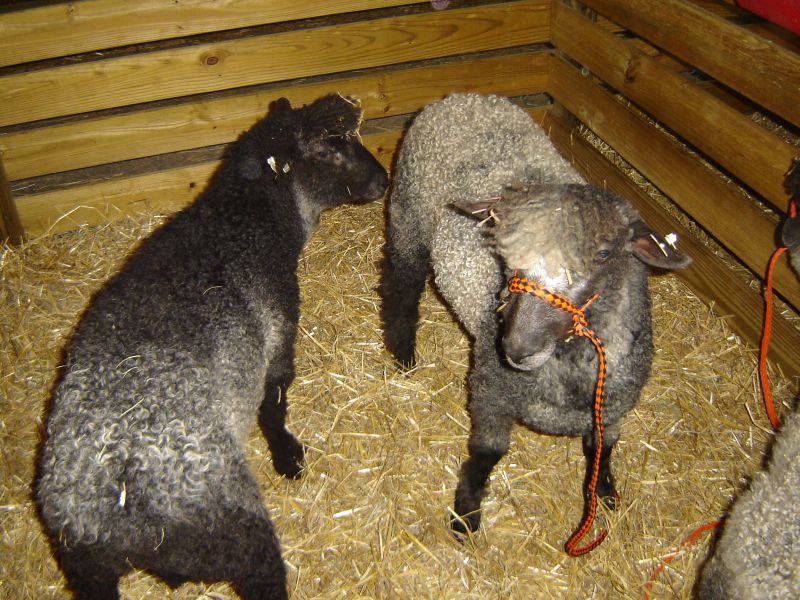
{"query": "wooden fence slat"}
(723, 50)
(88, 142)
(75, 27)
(747, 150)
(262, 59)
(731, 297)
(717, 206)
(167, 190)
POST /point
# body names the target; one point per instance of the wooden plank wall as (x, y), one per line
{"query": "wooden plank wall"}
(105, 104)
(109, 105)
(698, 144)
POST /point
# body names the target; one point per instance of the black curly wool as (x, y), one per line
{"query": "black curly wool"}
(177, 357)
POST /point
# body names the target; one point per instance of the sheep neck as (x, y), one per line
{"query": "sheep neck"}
(580, 327)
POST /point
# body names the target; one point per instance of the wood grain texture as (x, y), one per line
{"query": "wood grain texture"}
(210, 67)
(84, 143)
(66, 28)
(730, 296)
(762, 70)
(167, 190)
(747, 150)
(717, 206)
(11, 228)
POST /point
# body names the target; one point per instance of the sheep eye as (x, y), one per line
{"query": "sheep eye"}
(602, 255)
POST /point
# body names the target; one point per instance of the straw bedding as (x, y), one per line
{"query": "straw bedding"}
(370, 517)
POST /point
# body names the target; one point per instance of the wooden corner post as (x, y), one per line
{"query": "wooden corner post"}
(10, 225)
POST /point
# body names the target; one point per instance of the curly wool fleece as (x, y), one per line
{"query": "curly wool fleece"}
(181, 352)
(502, 146)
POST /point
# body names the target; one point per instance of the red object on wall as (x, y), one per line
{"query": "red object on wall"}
(785, 13)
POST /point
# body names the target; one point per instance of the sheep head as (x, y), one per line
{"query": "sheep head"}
(330, 165)
(315, 151)
(790, 232)
(574, 240)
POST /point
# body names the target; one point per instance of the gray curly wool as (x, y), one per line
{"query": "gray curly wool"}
(758, 554)
(465, 148)
(468, 150)
(179, 354)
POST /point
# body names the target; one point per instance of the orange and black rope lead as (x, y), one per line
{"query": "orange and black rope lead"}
(580, 327)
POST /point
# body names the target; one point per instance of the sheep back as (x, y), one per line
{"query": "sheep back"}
(466, 147)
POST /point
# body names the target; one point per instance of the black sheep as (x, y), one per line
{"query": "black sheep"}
(179, 354)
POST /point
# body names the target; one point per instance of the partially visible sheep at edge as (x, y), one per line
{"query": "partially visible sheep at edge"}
(178, 355)
(469, 150)
(757, 554)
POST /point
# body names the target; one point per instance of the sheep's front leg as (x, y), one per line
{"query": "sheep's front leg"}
(288, 454)
(605, 480)
(90, 575)
(471, 487)
(487, 445)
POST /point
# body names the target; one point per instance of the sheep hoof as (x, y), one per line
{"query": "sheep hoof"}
(403, 355)
(291, 462)
(611, 501)
(464, 525)
(406, 364)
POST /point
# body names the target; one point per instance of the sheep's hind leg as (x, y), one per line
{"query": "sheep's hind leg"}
(88, 574)
(405, 269)
(605, 480)
(288, 453)
(231, 540)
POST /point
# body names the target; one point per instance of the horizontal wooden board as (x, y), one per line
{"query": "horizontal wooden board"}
(717, 206)
(210, 67)
(87, 142)
(731, 297)
(748, 151)
(166, 191)
(752, 65)
(96, 203)
(66, 28)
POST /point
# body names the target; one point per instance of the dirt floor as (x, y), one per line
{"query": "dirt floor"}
(370, 517)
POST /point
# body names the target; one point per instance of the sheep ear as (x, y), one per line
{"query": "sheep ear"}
(652, 249)
(791, 183)
(280, 106)
(331, 116)
(482, 210)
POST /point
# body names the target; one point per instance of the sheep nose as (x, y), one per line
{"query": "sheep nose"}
(530, 330)
(379, 184)
(515, 349)
(524, 355)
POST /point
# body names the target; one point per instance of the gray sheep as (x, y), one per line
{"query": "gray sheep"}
(487, 157)
(178, 355)
(757, 554)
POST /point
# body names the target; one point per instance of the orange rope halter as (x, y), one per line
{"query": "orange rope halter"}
(580, 327)
(766, 391)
